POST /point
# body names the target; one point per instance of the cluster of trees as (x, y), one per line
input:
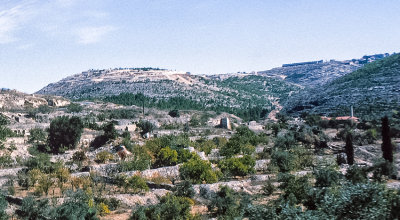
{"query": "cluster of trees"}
(255, 112)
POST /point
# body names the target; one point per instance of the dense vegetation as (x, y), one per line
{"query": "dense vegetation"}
(372, 90)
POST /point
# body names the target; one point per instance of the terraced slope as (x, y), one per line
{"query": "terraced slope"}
(203, 92)
(373, 90)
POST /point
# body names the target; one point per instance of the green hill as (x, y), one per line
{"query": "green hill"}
(373, 90)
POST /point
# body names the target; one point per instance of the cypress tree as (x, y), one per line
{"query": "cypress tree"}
(387, 150)
(349, 149)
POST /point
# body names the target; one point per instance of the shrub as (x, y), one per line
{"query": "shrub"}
(294, 186)
(356, 174)
(170, 207)
(205, 145)
(243, 141)
(174, 113)
(104, 156)
(74, 108)
(198, 171)
(268, 188)
(37, 136)
(135, 184)
(184, 155)
(64, 133)
(45, 182)
(371, 135)
(140, 160)
(285, 142)
(283, 160)
(146, 127)
(166, 157)
(226, 204)
(109, 131)
(3, 206)
(40, 162)
(382, 168)
(5, 132)
(102, 208)
(34, 209)
(79, 157)
(75, 206)
(3, 120)
(184, 189)
(326, 177)
(362, 201)
(6, 161)
(238, 166)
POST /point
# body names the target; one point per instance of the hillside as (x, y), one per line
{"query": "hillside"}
(171, 89)
(316, 73)
(373, 90)
(14, 100)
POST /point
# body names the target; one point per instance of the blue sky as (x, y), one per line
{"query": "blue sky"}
(43, 41)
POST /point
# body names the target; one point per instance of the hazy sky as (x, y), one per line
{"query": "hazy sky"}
(43, 41)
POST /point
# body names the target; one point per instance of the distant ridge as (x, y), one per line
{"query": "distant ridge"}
(373, 90)
(316, 73)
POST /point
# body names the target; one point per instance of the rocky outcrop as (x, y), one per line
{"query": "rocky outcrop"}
(14, 100)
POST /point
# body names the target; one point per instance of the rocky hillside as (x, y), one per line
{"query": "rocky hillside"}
(315, 73)
(237, 91)
(13, 100)
(373, 90)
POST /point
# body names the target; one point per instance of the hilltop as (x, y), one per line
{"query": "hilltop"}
(316, 73)
(172, 89)
(373, 90)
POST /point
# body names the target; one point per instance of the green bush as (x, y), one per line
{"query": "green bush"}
(238, 166)
(5, 132)
(3, 206)
(40, 162)
(166, 157)
(371, 135)
(268, 188)
(140, 160)
(326, 177)
(74, 108)
(34, 209)
(174, 113)
(3, 120)
(226, 204)
(64, 133)
(75, 206)
(294, 186)
(170, 207)
(184, 189)
(37, 136)
(283, 160)
(362, 201)
(184, 155)
(104, 156)
(356, 174)
(198, 171)
(146, 127)
(136, 184)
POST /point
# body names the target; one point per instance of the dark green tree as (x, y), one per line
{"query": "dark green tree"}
(174, 113)
(387, 148)
(64, 133)
(226, 204)
(146, 126)
(109, 131)
(349, 149)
